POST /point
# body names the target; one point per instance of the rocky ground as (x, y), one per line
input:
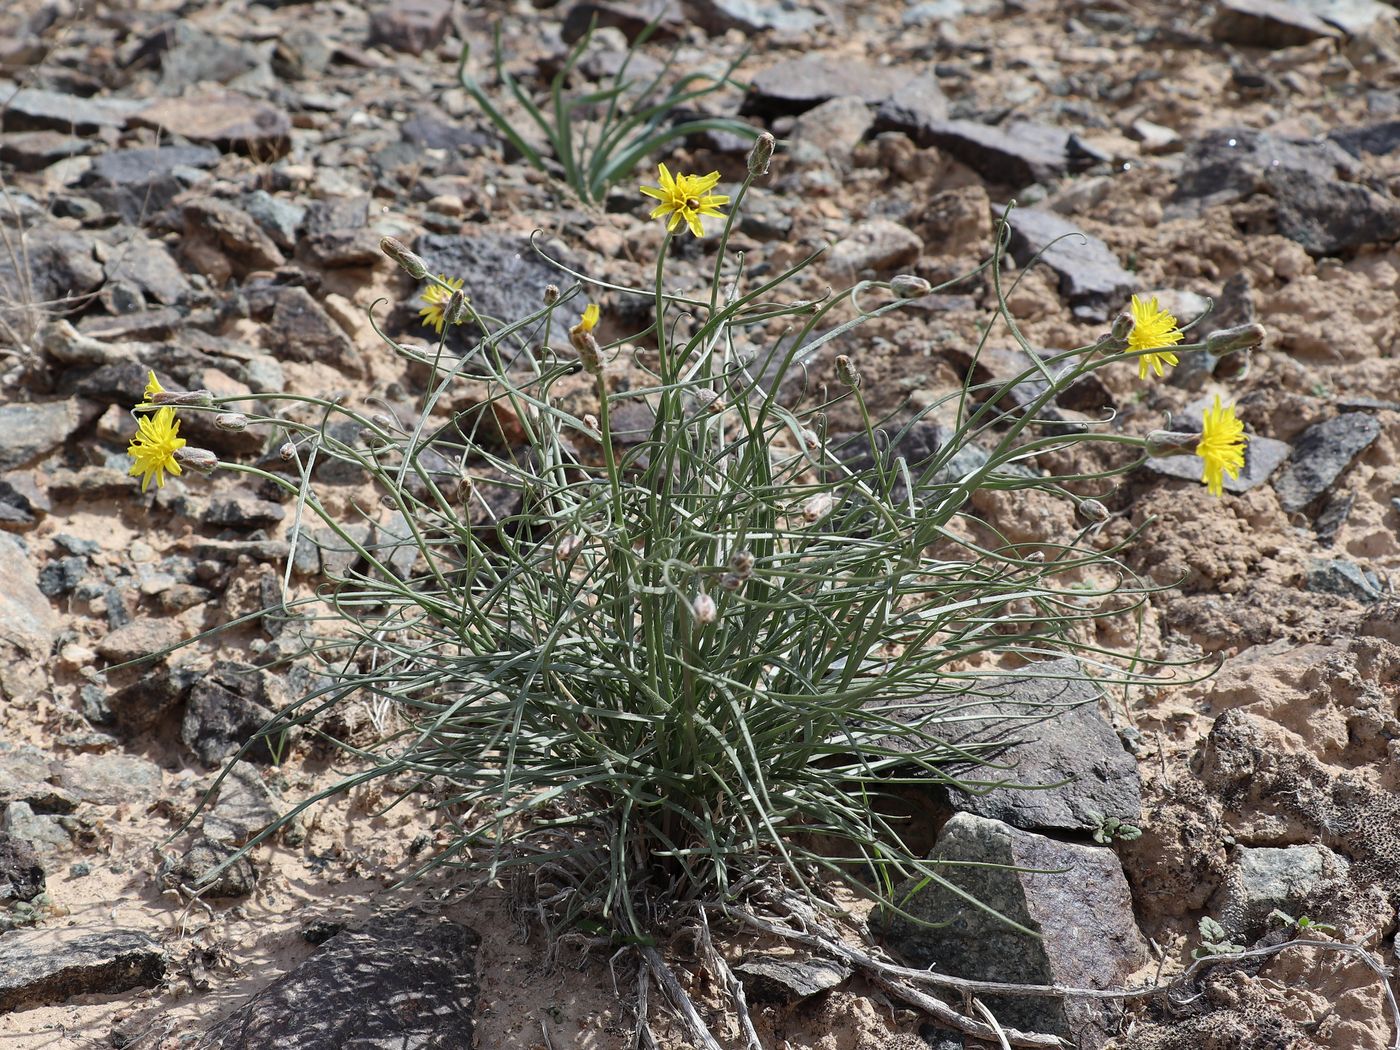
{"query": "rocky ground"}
(199, 188)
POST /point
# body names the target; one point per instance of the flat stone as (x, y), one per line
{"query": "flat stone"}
(232, 123)
(788, 978)
(629, 17)
(27, 620)
(235, 233)
(21, 871)
(128, 167)
(1267, 23)
(1015, 155)
(879, 245)
(42, 831)
(62, 267)
(411, 26)
(36, 150)
(404, 980)
(110, 779)
(39, 967)
(33, 430)
(830, 131)
(755, 16)
(1262, 456)
(505, 277)
(244, 512)
(224, 710)
(300, 330)
(244, 807)
(1045, 724)
(30, 109)
(1345, 579)
(140, 638)
(192, 56)
(1074, 896)
(913, 108)
(1321, 455)
(22, 503)
(1091, 278)
(798, 84)
(1293, 879)
(147, 266)
(1355, 18)
(1379, 140)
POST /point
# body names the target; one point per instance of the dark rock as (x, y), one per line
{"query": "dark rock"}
(1090, 276)
(827, 134)
(32, 431)
(196, 870)
(230, 233)
(134, 167)
(146, 326)
(628, 16)
(1333, 516)
(22, 503)
(24, 778)
(914, 107)
(245, 806)
(1320, 456)
(1262, 456)
(244, 512)
(1267, 23)
(21, 873)
(505, 277)
(1377, 139)
(342, 248)
(1294, 879)
(879, 245)
(29, 109)
(1314, 204)
(788, 978)
(796, 85)
(1046, 727)
(44, 832)
(1345, 579)
(233, 123)
(319, 931)
(146, 702)
(192, 56)
(1075, 897)
(301, 331)
(411, 26)
(281, 219)
(36, 150)
(403, 980)
(53, 965)
(1015, 155)
(337, 214)
(755, 16)
(430, 130)
(62, 576)
(60, 268)
(148, 266)
(225, 709)
(109, 779)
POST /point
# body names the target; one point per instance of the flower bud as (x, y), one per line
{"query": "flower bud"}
(809, 437)
(847, 372)
(1122, 327)
(588, 353)
(398, 251)
(760, 154)
(817, 507)
(698, 402)
(730, 582)
(590, 421)
(200, 460)
(1093, 510)
(287, 452)
(551, 294)
(566, 547)
(704, 609)
(907, 286)
(1228, 340)
(187, 397)
(234, 422)
(455, 312)
(1171, 443)
(741, 564)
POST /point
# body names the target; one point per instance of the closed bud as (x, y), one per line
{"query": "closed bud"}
(1229, 340)
(741, 563)
(398, 251)
(817, 507)
(1171, 443)
(455, 312)
(200, 460)
(1122, 327)
(908, 286)
(704, 609)
(730, 581)
(760, 154)
(846, 372)
(551, 294)
(287, 452)
(1093, 510)
(810, 438)
(590, 421)
(234, 422)
(566, 547)
(187, 397)
(702, 401)
(588, 353)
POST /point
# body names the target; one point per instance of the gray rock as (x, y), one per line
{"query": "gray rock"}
(60, 266)
(798, 84)
(146, 702)
(914, 107)
(27, 620)
(25, 772)
(244, 512)
(44, 832)
(1048, 729)
(140, 638)
(505, 277)
(1376, 139)
(1315, 205)
(193, 56)
(1355, 18)
(21, 872)
(22, 503)
(1345, 579)
(340, 249)
(1262, 456)
(1320, 456)
(30, 109)
(755, 16)
(245, 806)
(230, 122)
(281, 219)
(1090, 276)
(1293, 879)
(405, 980)
(234, 232)
(44, 966)
(879, 245)
(62, 575)
(788, 978)
(196, 870)
(1016, 155)
(32, 431)
(1074, 896)
(630, 17)
(1334, 514)
(225, 709)
(411, 26)
(147, 266)
(1267, 23)
(36, 150)
(830, 131)
(134, 167)
(300, 330)
(110, 779)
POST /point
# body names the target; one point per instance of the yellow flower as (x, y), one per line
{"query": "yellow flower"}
(153, 388)
(1221, 446)
(436, 297)
(589, 320)
(1153, 328)
(154, 446)
(685, 198)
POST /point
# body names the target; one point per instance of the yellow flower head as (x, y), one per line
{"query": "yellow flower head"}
(154, 446)
(153, 388)
(434, 314)
(685, 198)
(1153, 328)
(589, 320)
(1221, 446)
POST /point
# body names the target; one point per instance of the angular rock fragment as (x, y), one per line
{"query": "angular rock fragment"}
(788, 978)
(1268, 23)
(796, 85)
(411, 26)
(21, 872)
(53, 965)
(1262, 456)
(756, 16)
(1091, 278)
(1320, 456)
(225, 709)
(1293, 879)
(30, 109)
(233, 123)
(879, 245)
(198, 867)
